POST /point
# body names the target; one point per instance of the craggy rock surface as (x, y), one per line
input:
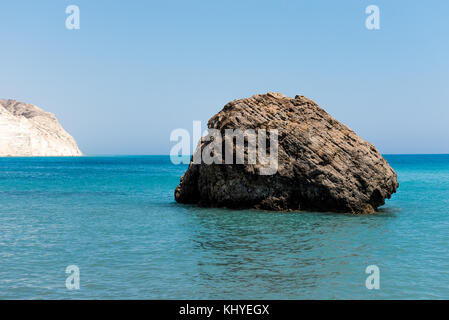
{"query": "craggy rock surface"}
(323, 165)
(26, 130)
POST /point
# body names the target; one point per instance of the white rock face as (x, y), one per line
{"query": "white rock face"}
(27, 131)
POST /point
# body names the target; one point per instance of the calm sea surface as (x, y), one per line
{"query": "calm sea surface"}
(116, 219)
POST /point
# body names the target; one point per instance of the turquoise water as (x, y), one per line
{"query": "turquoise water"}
(116, 219)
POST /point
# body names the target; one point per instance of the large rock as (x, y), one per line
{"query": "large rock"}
(26, 130)
(322, 164)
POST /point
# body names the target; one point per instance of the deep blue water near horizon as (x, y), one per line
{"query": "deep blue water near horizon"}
(116, 219)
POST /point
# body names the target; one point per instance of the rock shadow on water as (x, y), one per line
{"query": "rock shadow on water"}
(287, 253)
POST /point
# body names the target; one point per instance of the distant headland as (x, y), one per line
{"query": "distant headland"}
(28, 131)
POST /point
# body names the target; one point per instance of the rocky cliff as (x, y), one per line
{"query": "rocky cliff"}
(26, 130)
(322, 164)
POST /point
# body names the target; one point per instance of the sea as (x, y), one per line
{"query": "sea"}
(108, 227)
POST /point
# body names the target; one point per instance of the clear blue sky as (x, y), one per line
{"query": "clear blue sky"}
(136, 70)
